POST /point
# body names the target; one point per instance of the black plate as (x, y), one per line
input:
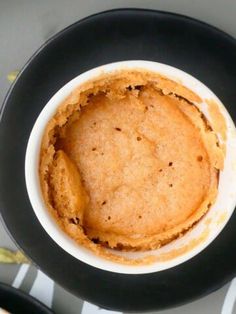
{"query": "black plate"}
(193, 46)
(16, 301)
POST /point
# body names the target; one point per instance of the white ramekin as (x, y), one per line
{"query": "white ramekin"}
(209, 226)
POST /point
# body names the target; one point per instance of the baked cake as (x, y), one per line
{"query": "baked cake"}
(129, 162)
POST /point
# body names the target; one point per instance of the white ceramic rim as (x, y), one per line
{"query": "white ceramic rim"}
(32, 161)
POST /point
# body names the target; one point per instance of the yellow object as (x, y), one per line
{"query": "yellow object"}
(12, 76)
(8, 256)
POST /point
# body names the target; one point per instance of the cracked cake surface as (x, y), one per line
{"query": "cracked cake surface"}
(129, 162)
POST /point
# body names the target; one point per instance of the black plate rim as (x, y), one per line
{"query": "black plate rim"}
(24, 296)
(37, 51)
(27, 64)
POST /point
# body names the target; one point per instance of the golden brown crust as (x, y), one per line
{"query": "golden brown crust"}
(69, 198)
(145, 123)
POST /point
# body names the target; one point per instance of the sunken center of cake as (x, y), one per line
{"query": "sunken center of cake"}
(141, 160)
